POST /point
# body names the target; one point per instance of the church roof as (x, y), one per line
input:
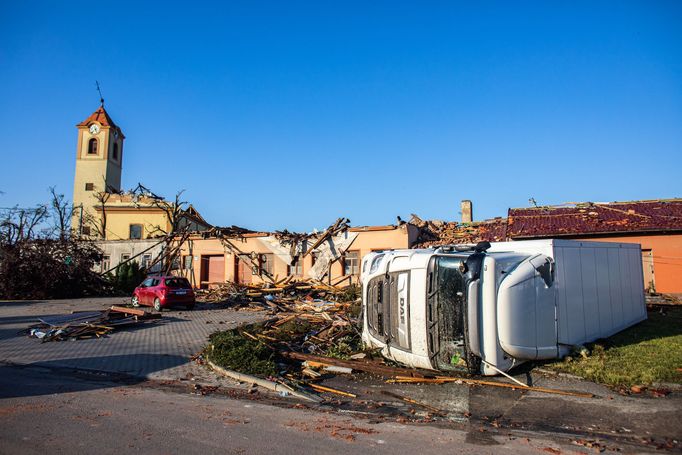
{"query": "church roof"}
(100, 116)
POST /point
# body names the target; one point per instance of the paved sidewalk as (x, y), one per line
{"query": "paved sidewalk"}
(158, 350)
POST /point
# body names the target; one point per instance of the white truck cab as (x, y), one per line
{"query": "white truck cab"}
(487, 308)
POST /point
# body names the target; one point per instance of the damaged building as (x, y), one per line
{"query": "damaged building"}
(654, 224)
(245, 257)
(140, 225)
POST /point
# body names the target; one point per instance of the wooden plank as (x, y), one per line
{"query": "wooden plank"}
(262, 383)
(120, 309)
(321, 388)
(360, 365)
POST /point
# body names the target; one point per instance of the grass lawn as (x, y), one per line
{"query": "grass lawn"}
(649, 352)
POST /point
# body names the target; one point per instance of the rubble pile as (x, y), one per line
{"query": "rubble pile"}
(274, 297)
(87, 324)
(436, 232)
(661, 299)
(307, 341)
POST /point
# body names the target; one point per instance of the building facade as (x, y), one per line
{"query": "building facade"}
(260, 257)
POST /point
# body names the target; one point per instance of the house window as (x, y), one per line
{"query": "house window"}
(296, 268)
(125, 257)
(92, 147)
(85, 230)
(135, 231)
(351, 264)
(266, 263)
(313, 258)
(187, 262)
(89, 187)
(106, 263)
(114, 152)
(146, 261)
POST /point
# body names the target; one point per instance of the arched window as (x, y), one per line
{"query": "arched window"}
(115, 151)
(92, 147)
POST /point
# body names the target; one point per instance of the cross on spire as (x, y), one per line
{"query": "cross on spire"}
(101, 98)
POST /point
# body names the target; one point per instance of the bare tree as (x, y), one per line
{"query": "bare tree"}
(100, 224)
(21, 224)
(176, 231)
(174, 211)
(61, 212)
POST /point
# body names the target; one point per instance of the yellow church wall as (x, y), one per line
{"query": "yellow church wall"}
(118, 223)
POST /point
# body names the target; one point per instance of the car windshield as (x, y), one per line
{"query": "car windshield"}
(177, 283)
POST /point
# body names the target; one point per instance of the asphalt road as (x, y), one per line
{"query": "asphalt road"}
(42, 411)
(43, 406)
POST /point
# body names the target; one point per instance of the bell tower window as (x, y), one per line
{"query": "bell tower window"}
(114, 152)
(92, 146)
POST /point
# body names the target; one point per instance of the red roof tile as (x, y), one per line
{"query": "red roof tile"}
(100, 116)
(596, 218)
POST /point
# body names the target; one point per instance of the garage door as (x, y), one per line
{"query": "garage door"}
(216, 269)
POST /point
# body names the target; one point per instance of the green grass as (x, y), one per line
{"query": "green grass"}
(650, 352)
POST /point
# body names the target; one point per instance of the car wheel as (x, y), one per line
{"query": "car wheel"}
(157, 304)
(135, 301)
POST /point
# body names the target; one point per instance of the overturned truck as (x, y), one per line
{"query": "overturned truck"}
(489, 307)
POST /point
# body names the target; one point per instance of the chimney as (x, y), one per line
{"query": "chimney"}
(467, 211)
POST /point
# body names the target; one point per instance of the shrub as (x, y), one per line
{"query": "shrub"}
(49, 269)
(231, 350)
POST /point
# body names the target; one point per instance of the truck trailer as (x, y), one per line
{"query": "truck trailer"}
(489, 307)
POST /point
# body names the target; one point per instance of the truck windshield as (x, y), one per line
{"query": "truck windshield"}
(446, 299)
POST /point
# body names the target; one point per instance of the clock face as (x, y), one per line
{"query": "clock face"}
(94, 129)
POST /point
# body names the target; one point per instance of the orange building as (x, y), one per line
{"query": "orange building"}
(256, 257)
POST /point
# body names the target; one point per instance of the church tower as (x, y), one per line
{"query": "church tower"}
(99, 160)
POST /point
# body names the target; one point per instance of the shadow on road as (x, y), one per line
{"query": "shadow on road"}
(50, 377)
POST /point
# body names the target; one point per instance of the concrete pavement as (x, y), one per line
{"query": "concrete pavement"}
(159, 350)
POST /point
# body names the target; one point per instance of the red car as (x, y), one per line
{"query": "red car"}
(163, 292)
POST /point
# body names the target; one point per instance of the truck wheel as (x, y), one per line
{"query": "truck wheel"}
(135, 301)
(157, 304)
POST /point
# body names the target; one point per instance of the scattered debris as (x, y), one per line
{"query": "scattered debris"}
(270, 385)
(87, 324)
(637, 389)
(660, 393)
(309, 339)
(411, 401)
(445, 379)
(320, 388)
(274, 297)
(436, 232)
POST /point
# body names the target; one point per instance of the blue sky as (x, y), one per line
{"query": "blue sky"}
(277, 115)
